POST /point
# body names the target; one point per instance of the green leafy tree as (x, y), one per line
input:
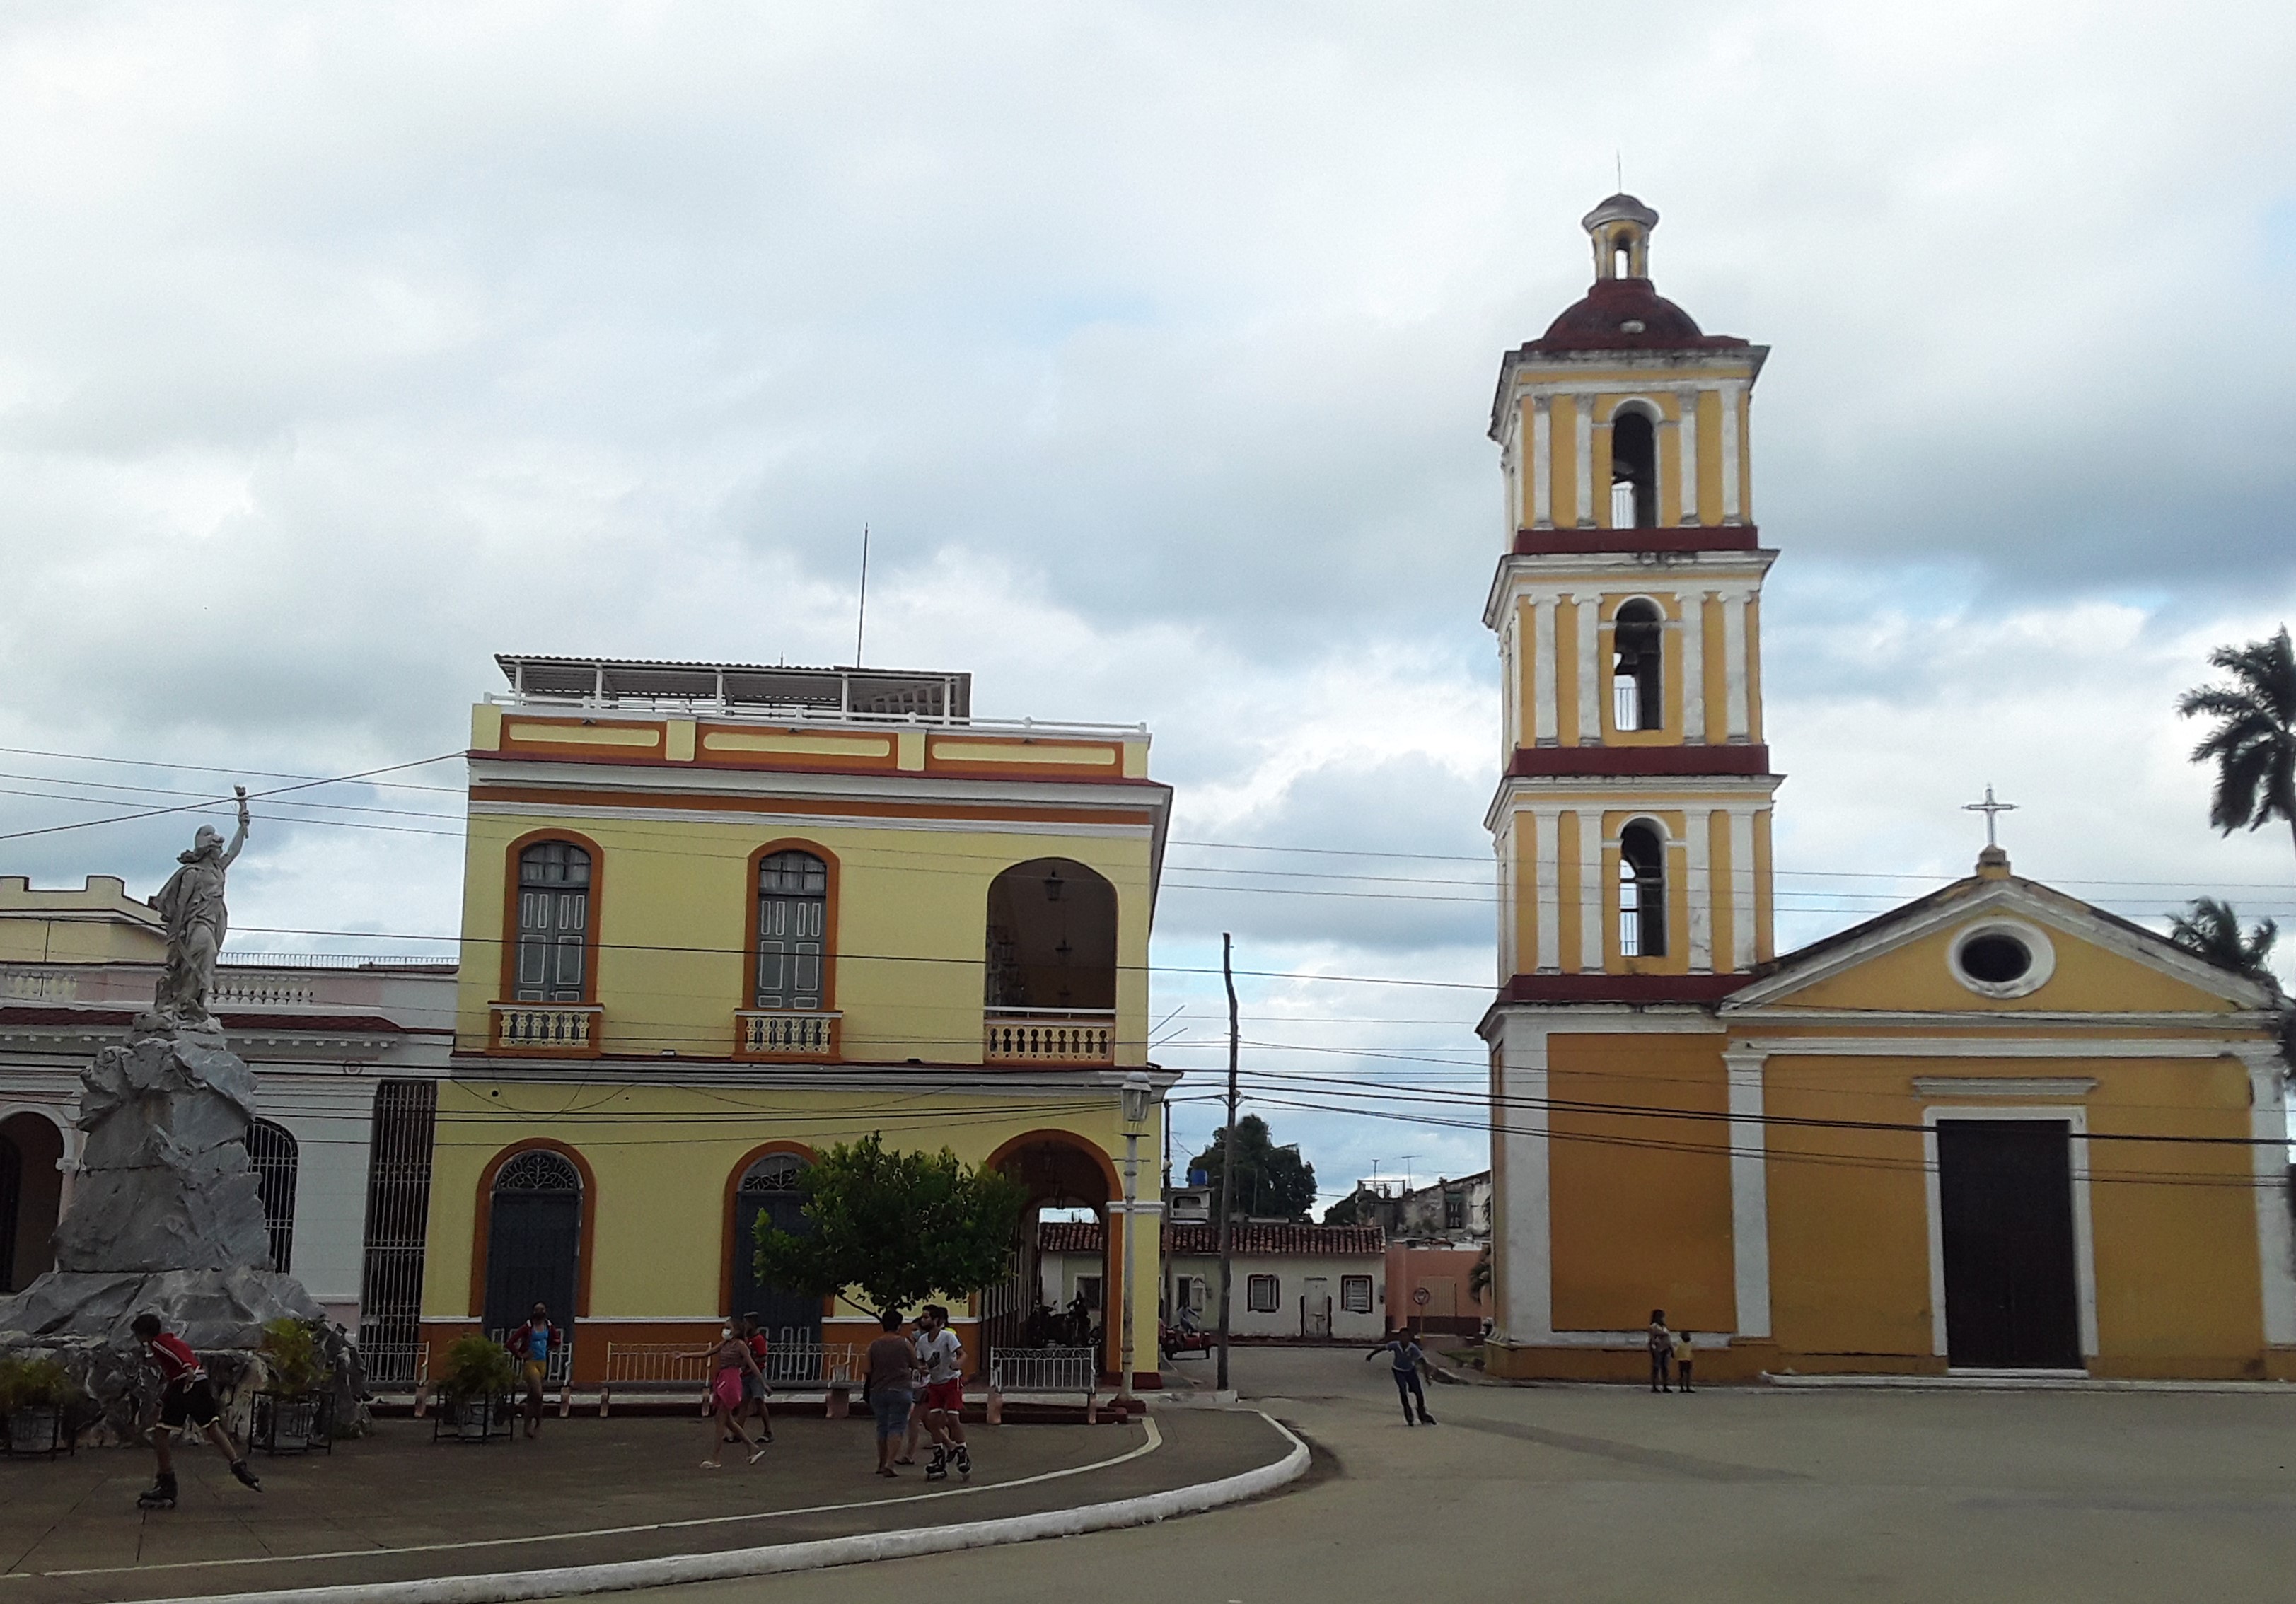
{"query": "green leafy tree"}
(901, 1226)
(2210, 928)
(1270, 1181)
(2253, 743)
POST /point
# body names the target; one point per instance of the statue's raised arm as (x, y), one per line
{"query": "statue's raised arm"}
(239, 837)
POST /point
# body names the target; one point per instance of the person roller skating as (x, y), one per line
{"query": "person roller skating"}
(186, 1401)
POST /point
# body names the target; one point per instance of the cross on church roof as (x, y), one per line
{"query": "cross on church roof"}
(1990, 809)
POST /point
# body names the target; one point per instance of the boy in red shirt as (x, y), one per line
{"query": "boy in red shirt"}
(186, 1401)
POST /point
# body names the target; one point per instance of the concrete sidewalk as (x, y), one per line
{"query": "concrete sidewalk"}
(395, 1507)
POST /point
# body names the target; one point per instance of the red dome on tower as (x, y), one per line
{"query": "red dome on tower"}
(1622, 311)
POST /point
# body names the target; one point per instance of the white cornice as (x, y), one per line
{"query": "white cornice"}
(1515, 791)
(1543, 576)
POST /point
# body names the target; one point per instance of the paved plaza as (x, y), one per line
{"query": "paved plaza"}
(1585, 1493)
(395, 1506)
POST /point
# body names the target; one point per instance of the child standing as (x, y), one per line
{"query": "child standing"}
(1662, 1350)
(1682, 1360)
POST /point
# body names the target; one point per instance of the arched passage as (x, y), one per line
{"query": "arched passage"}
(31, 1191)
(1060, 1170)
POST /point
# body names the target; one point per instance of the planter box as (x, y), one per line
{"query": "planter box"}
(292, 1423)
(473, 1420)
(37, 1430)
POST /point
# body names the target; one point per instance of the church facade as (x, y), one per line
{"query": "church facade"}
(1993, 1130)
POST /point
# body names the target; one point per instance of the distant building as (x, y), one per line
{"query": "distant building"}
(347, 1055)
(1300, 1282)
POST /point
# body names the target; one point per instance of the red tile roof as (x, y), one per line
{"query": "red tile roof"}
(1195, 1240)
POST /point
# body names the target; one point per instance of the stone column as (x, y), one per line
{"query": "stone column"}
(1694, 667)
(1591, 676)
(1699, 883)
(1742, 888)
(1542, 463)
(2267, 1130)
(1582, 448)
(1731, 510)
(1542, 708)
(1734, 665)
(1750, 1193)
(1688, 499)
(1526, 1312)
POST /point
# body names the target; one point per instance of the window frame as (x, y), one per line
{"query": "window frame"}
(1252, 1285)
(591, 924)
(747, 1001)
(1348, 1285)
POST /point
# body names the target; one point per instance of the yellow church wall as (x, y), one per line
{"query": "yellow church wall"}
(1709, 459)
(1634, 1228)
(2087, 979)
(1567, 901)
(1848, 1213)
(1562, 469)
(671, 906)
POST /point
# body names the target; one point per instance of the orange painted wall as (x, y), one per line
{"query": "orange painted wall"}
(1638, 1227)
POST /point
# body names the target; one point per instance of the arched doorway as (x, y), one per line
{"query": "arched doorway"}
(31, 1189)
(1060, 1170)
(271, 1152)
(1049, 995)
(534, 1239)
(768, 1190)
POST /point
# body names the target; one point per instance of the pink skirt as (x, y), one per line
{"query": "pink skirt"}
(726, 1389)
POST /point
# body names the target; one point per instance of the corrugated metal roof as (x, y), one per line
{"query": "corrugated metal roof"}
(1256, 1240)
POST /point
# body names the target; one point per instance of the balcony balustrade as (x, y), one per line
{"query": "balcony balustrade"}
(1050, 1035)
(785, 1036)
(560, 1029)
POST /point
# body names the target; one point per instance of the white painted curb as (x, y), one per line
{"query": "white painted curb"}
(776, 1557)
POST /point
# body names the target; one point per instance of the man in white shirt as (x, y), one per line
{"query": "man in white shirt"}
(940, 1357)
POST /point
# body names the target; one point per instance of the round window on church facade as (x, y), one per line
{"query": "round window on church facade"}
(2001, 958)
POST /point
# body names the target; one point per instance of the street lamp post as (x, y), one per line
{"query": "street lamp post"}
(1137, 1091)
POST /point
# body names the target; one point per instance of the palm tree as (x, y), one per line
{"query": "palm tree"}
(2209, 927)
(2253, 744)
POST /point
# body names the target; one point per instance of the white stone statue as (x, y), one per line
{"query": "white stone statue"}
(192, 903)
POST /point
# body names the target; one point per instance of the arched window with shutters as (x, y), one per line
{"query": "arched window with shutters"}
(273, 1154)
(553, 953)
(792, 944)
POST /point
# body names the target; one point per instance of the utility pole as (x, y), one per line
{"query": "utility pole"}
(1228, 1159)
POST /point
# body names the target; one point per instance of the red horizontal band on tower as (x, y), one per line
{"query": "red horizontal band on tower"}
(1541, 763)
(1549, 543)
(1621, 988)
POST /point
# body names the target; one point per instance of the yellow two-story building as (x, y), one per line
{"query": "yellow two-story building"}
(717, 918)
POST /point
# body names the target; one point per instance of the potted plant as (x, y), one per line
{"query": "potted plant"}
(290, 1416)
(33, 1394)
(475, 1384)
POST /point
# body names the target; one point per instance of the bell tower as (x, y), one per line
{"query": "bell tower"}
(1632, 821)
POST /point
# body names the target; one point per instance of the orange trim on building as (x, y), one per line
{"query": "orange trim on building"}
(747, 996)
(710, 802)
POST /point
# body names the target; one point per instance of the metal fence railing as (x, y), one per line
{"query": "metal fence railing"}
(396, 1366)
(1047, 1370)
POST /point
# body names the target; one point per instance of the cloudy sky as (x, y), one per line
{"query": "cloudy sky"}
(342, 347)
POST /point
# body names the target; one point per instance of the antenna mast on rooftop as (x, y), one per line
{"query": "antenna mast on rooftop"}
(861, 613)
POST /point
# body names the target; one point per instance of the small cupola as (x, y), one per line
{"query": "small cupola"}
(1621, 228)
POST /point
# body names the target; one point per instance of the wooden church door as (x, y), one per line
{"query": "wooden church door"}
(2005, 1209)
